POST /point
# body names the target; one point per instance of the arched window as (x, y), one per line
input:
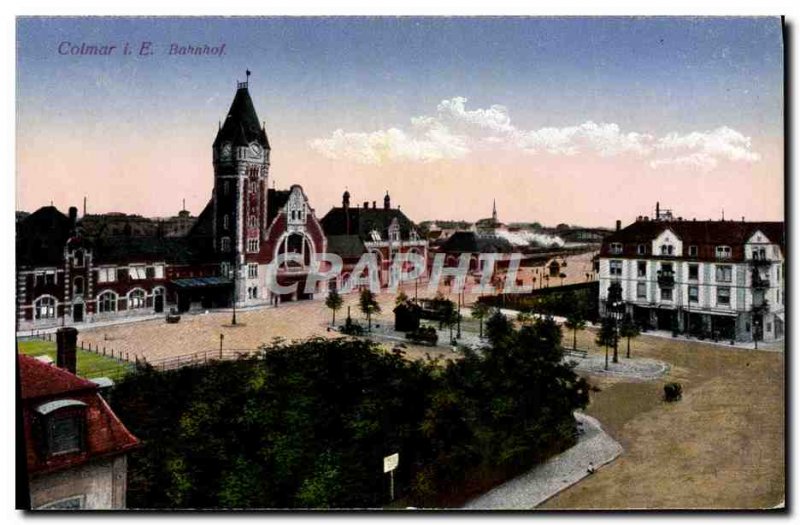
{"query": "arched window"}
(77, 286)
(297, 244)
(107, 302)
(136, 299)
(77, 260)
(44, 307)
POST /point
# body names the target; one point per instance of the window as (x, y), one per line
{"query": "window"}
(77, 286)
(50, 278)
(225, 244)
(77, 259)
(107, 302)
(667, 249)
(71, 503)
(694, 294)
(414, 236)
(252, 221)
(252, 245)
(641, 269)
(723, 252)
(61, 426)
(159, 271)
(44, 307)
(723, 295)
(106, 275)
(724, 273)
(615, 267)
(137, 273)
(225, 222)
(641, 290)
(616, 247)
(136, 299)
(693, 272)
(666, 268)
(692, 251)
(225, 269)
(226, 187)
(252, 271)
(760, 254)
(666, 294)
(641, 249)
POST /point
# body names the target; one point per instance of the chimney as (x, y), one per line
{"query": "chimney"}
(374, 205)
(66, 342)
(658, 211)
(366, 204)
(73, 216)
(619, 225)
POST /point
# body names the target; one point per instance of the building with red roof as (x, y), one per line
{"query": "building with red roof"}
(76, 447)
(719, 279)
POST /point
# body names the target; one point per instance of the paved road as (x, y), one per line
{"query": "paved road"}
(556, 474)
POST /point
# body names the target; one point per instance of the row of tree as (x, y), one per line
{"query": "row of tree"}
(308, 424)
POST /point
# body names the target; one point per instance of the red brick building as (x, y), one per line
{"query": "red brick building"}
(102, 267)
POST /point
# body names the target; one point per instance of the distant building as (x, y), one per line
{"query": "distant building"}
(384, 232)
(76, 447)
(102, 267)
(712, 278)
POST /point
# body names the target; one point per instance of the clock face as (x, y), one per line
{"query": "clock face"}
(226, 150)
(255, 149)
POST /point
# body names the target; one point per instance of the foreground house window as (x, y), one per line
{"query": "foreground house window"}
(615, 267)
(616, 247)
(666, 294)
(641, 290)
(723, 252)
(692, 251)
(693, 294)
(641, 269)
(62, 427)
(693, 272)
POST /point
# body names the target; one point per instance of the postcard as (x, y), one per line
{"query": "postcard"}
(400, 263)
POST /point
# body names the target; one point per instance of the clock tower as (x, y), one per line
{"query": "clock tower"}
(241, 169)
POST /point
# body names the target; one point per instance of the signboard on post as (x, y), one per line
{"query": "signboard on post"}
(390, 462)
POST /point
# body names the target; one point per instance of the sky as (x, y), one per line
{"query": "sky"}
(575, 120)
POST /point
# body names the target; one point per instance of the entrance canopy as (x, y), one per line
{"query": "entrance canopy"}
(196, 283)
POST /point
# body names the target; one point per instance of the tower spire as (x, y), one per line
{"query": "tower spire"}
(494, 210)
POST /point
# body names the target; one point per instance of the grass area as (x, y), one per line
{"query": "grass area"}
(89, 364)
(721, 446)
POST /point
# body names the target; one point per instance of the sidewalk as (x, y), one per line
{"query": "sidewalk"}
(556, 474)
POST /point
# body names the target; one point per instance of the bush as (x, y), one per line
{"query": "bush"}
(672, 392)
(351, 328)
(424, 334)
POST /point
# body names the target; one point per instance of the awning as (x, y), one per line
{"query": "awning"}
(202, 282)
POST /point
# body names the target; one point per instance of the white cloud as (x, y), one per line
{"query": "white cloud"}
(454, 131)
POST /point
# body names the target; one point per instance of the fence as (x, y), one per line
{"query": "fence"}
(198, 358)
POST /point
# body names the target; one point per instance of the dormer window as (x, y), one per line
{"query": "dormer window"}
(723, 252)
(692, 251)
(760, 254)
(616, 247)
(667, 249)
(641, 249)
(375, 235)
(62, 426)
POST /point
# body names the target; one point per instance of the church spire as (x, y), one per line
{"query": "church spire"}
(494, 211)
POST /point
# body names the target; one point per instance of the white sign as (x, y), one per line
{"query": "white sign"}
(390, 462)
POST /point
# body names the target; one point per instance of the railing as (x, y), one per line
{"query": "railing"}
(759, 282)
(759, 261)
(198, 358)
(665, 279)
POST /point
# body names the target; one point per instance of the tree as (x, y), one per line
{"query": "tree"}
(334, 301)
(606, 335)
(368, 305)
(448, 314)
(525, 317)
(576, 321)
(401, 298)
(498, 327)
(628, 329)
(479, 311)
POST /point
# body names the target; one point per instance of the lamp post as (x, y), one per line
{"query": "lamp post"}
(233, 294)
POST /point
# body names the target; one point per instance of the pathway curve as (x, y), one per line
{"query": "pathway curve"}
(554, 475)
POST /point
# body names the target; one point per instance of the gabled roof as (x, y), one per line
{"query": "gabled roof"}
(276, 200)
(361, 221)
(241, 126)
(40, 380)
